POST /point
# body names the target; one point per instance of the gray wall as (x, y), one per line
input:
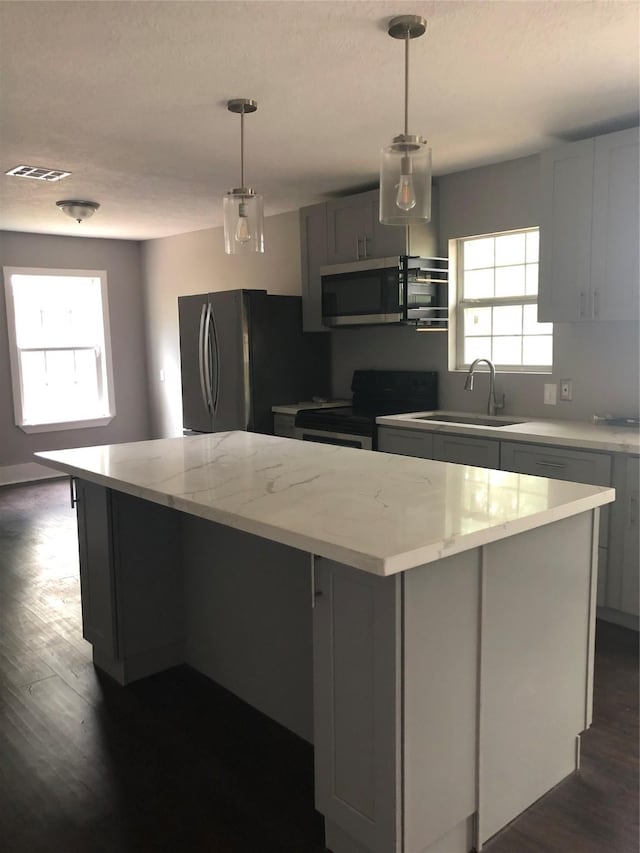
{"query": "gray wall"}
(121, 259)
(602, 358)
(196, 263)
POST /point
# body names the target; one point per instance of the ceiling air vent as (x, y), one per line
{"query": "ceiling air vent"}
(37, 173)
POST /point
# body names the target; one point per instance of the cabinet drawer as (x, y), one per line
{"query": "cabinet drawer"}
(284, 425)
(557, 463)
(561, 464)
(484, 453)
(405, 442)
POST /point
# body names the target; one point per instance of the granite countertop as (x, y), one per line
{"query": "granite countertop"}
(574, 434)
(294, 408)
(376, 511)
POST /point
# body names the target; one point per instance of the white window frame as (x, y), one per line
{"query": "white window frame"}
(457, 305)
(106, 366)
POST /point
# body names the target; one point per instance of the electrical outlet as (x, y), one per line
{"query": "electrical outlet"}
(566, 389)
(550, 394)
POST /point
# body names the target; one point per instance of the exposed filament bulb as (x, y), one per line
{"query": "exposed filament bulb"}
(406, 196)
(243, 235)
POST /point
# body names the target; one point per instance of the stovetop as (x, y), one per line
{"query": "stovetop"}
(376, 393)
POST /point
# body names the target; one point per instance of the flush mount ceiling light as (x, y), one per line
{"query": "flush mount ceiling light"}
(243, 217)
(76, 209)
(405, 168)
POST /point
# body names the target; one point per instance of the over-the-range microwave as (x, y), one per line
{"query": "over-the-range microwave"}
(402, 289)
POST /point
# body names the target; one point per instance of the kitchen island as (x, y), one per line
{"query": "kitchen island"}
(428, 626)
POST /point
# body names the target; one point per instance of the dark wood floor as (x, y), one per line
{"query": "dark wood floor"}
(174, 763)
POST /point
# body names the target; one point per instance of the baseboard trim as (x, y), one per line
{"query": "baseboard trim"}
(27, 472)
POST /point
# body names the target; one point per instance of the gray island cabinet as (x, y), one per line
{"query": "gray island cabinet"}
(429, 627)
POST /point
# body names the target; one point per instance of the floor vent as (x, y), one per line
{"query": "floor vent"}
(37, 173)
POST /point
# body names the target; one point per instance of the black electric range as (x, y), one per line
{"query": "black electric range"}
(375, 393)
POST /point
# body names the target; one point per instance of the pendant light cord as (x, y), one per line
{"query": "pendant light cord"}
(407, 39)
(242, 148)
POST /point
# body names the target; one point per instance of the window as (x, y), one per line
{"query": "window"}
(59, 348)
(496, 315)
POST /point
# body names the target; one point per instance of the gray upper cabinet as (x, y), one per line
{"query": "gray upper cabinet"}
(313, 255)
(348, 229)
(589, 230)
(354, 232)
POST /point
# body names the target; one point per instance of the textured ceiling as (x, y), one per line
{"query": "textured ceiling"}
(131, 98)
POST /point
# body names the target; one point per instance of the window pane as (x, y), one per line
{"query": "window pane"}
(477, 321)
(56, 311)
(530, 324)
(478, 253)
(531, 276)
(510, 281)
(507, 320)
(537, 350)
(497, 302)
(507, 350)
(510, 249)
(476, 348)
(478, 284)
(533, 245)
(62, 352)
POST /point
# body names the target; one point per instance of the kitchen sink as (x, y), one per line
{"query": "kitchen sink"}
(487, 420)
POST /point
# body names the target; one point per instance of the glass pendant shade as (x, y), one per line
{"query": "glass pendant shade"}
(405, 182)
(243, 222)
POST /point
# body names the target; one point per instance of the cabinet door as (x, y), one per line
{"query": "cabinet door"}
(357, 692)
(349, 220)
(313, 255)
(615, 273)
(484, 453)
(566, 186)
(284, 425)
(631, 560)
(405, 442)
(97, 575)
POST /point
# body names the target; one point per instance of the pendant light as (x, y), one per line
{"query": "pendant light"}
(405, 168)
(243, 217)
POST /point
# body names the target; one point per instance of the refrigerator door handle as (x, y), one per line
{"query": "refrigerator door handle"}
(213, 335)
(202, 356)
(207, 360)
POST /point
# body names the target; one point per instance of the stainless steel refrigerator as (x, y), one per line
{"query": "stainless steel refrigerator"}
(242, 352)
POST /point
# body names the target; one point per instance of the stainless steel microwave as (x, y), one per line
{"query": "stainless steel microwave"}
(402, 289)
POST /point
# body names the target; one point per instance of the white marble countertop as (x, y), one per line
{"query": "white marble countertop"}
(576, 434)
(376, 511)
(294, 408)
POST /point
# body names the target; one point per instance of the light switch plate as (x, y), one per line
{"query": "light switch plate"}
(550, 394)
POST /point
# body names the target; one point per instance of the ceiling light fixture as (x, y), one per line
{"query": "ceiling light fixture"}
(243, 215)
(79, 210)
(405, 168)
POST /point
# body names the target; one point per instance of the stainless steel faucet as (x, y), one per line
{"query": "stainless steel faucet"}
(492, 405)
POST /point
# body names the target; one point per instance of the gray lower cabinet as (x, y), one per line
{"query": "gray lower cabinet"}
(560, 463)
(97, 571)
(405, 442)
(481, 452)
(630, 592)
(130, 580)
(284, 425)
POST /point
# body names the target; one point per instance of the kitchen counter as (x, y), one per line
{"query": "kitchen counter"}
(560, 433)
(380, 513)
(294, 408)
(428, 627)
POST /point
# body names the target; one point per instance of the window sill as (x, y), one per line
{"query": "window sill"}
(66, 425)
